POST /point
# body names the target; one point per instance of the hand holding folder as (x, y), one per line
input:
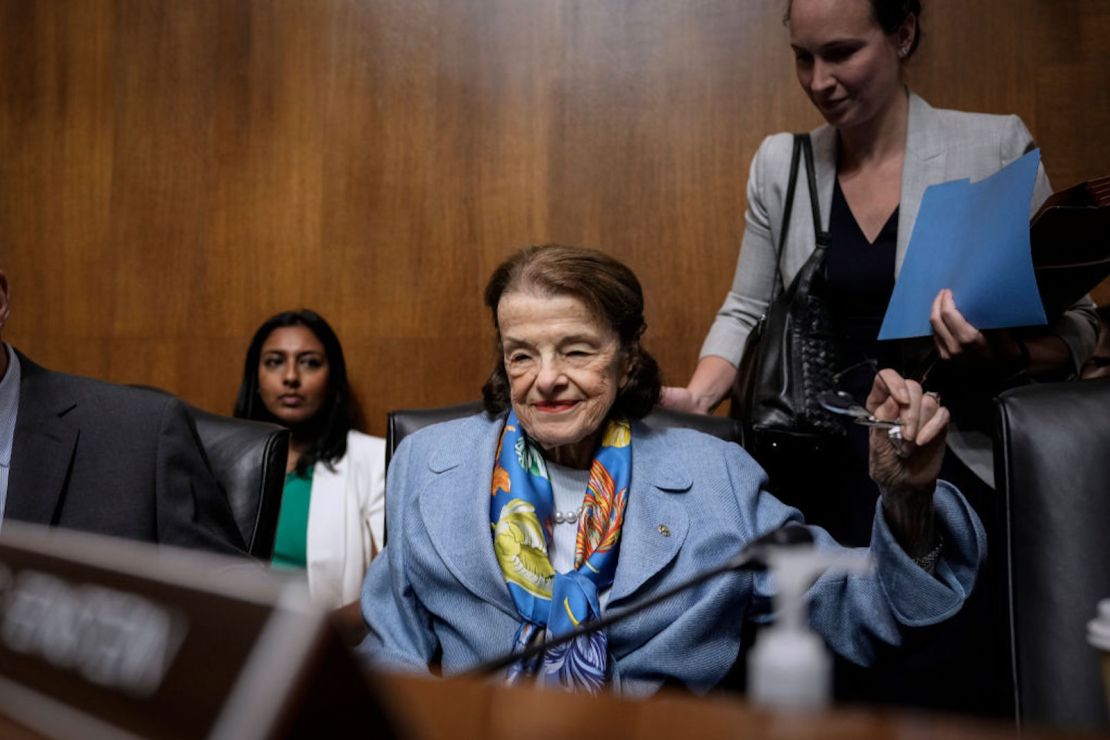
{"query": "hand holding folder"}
(972, 238)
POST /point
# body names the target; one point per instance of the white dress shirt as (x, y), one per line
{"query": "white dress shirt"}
(9, 409)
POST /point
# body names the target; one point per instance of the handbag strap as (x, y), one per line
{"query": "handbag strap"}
(821, 237)
(788, 208)
(803, 146)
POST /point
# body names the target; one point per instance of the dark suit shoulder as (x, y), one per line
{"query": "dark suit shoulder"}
(116, 460)
(64, 394)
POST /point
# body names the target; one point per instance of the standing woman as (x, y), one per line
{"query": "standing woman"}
(333, 506)
(881, 147)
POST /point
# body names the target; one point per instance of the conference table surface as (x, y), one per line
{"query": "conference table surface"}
(432, 709)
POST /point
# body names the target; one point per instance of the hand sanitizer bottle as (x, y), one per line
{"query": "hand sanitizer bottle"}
(789, 667)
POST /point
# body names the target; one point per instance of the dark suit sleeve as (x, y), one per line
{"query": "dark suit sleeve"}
(192, 511)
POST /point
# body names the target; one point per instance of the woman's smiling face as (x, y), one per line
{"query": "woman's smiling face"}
(565, 369)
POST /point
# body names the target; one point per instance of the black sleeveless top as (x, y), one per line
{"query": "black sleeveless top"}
(859, 280)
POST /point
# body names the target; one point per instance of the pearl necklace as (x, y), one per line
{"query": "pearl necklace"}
(568, 517)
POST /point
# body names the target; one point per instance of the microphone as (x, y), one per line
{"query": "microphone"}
(753, 558)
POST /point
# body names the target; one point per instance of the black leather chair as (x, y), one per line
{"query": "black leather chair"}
(1052, 471)
(248, 460)
(404, 422)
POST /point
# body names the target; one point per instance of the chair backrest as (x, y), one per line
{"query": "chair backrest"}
(1052, 471)
(403, 422)
(248, 460)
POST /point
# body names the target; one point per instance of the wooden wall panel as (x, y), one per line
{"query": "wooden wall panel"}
(172, 173)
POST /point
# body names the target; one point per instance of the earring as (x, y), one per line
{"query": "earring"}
(903, 52)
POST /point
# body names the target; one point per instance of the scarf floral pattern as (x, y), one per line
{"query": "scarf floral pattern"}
(550, 603)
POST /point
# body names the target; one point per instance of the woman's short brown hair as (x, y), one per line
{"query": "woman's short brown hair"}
(608, 288)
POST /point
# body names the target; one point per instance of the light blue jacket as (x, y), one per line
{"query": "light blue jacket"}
(436, 591)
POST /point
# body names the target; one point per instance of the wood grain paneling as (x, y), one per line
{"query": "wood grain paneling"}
(171, 173)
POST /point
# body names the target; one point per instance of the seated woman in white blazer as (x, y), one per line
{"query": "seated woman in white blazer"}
(333, 506)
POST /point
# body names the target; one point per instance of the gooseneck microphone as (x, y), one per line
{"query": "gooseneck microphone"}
(752, 558)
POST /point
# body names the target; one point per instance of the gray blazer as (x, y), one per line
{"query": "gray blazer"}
(436, 591)
(941, 145)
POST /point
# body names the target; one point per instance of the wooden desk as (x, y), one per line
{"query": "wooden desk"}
(431, 709)
(253, 660)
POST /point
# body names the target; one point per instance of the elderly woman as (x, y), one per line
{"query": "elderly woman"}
(558, 504)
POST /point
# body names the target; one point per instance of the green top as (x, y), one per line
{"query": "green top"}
(290, 542)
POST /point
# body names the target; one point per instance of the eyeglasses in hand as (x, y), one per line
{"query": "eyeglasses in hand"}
(844, 404)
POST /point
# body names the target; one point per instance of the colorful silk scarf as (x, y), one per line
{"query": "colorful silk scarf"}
(548, 602)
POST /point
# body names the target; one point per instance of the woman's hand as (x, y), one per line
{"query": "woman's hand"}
(677, 399)
(956, 339)
(711, 382)
(906, 469)
(912, 463)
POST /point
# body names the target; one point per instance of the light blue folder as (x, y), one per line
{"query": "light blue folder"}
(972, 238)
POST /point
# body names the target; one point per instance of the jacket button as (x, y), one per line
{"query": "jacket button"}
(664, 530)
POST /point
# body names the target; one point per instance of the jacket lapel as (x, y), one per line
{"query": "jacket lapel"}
(824, 162)
(461, 534)
(924, 163)
(42, 448)
(655, 523)
(327, 534)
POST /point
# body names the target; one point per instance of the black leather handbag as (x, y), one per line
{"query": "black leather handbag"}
(791, 355)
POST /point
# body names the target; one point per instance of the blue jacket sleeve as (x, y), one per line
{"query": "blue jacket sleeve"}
(856, 613)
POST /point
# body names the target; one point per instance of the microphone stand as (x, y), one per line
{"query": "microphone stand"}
(752, 558)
